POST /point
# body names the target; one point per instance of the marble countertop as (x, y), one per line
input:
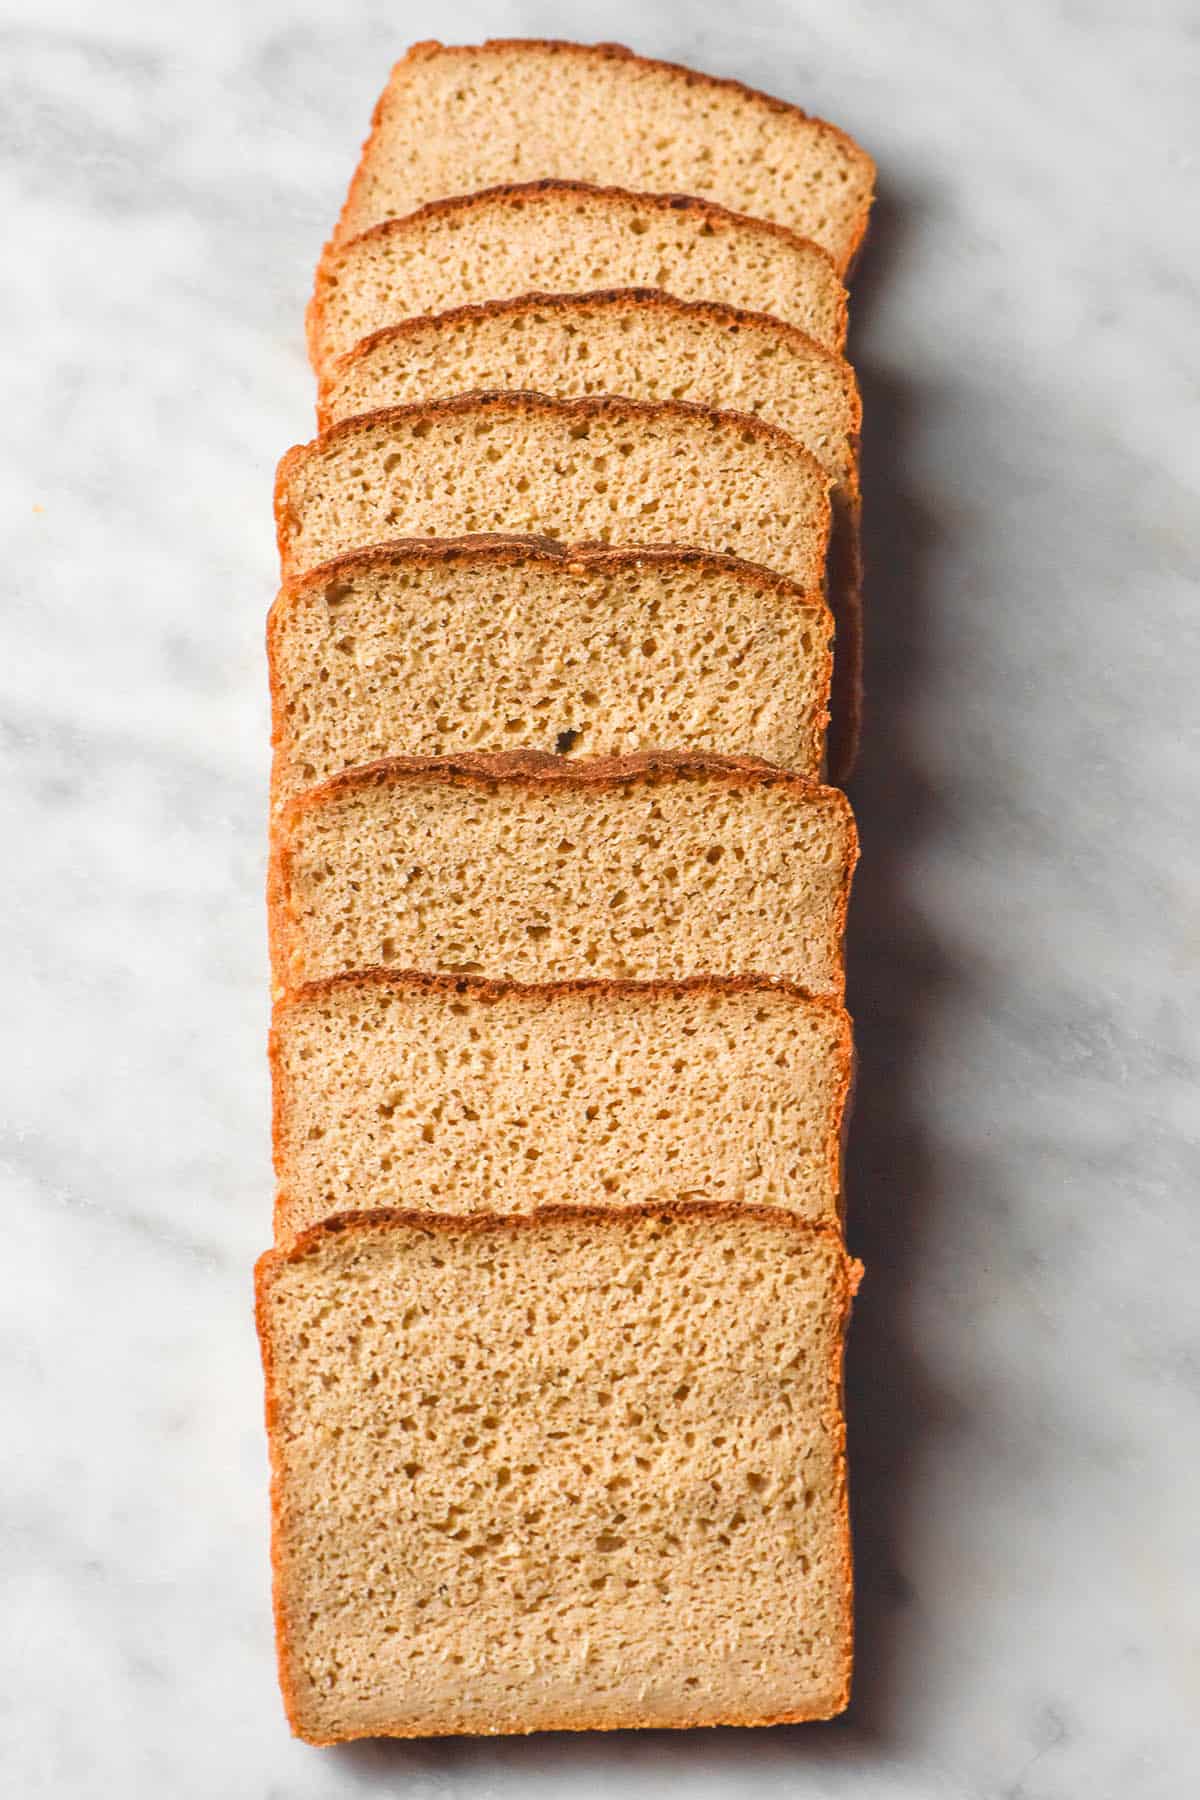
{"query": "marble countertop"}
(1025, 1368)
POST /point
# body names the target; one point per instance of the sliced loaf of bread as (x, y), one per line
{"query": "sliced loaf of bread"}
(454, 118)
(433, 647)
(612, 470)
(560, 237)
(529, 868)
(562, 1472)
(454, 1096)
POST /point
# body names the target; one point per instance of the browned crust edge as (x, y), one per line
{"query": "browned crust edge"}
(508, 193)
(489, 987)
(430, 48)
(497, 550)
(532, 767)
(536, 767)
(598, 301)
(518, 401)
(309, 1241)
(486, 989)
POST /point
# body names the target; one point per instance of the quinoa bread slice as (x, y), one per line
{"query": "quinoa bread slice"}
(563, 1471)
(454, 118)
(563, 237)
(603, 469)
(433, 647)
(634, 341)
(462, 1095)
(524, 867)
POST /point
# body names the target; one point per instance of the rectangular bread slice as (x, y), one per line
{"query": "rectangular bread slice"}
(634, 341)
(454, 118)
(528, 868)
(433, 647)
(608, 470)
(562, 237)
(444, 1095)
(562, 1472)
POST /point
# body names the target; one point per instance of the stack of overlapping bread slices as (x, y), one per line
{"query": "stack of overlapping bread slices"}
(553, 1325)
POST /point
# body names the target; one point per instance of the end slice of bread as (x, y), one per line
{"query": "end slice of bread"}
(609, 470)
(563, 237)
(576, 1471)
(453, 1096)
(433, 647)
(527, 868)
(454, 118)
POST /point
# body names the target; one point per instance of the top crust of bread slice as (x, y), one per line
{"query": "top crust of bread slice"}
(456, 118)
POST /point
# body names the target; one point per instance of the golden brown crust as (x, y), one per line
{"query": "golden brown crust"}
(485, 989)
(385, 1218)
(538, 767)
(505, 550)
(515, 193)
(597, 300)
(431, 48)
(309, 1242)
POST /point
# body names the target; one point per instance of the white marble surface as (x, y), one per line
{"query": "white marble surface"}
(1025, 1373)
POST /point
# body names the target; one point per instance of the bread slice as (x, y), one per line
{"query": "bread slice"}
(563, 237)
(456, 118)
(453, 1096)
(432, 647)
(618, 471)
(648, 345)
(562, 1472)
(527, 868)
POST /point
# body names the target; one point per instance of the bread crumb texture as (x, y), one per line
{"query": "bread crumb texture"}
(586, 1474)
(611, 471)
(567, 238)
(454, 119)
(467, 1097)
(641, 344)
(558, 872)
(438, 648)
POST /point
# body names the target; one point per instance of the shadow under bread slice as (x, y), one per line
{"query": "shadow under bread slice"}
(525, 867)
(564, 1471)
